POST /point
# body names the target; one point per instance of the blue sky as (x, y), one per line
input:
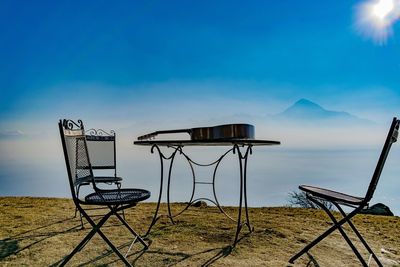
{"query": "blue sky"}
(98, 53)
(138, 66)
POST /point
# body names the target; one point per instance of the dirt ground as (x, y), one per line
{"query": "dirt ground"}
(42, 231)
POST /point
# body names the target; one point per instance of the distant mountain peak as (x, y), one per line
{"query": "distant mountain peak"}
(304, 105)
(304, 109)
(305, 102)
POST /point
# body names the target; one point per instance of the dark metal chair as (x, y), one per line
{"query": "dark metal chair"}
(316, 194)
(102, 153)
(78, 165)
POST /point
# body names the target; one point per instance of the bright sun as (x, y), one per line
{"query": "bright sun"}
(374, 18)
(382, 8)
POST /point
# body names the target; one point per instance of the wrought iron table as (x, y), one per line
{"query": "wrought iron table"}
(241, 147)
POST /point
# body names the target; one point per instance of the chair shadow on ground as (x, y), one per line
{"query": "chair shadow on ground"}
(169, 258)
(221, 252)
(8, 247)
(11, 245)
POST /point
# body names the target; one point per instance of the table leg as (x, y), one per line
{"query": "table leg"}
(168, 188)
(248, 152)
(162, 158)
(243, 191)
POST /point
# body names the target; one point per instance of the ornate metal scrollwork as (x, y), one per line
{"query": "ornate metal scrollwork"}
(100, 132)
(70, 124)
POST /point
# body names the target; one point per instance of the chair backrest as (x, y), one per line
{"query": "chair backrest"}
(75, 152)
(390, 139)
(102, 149)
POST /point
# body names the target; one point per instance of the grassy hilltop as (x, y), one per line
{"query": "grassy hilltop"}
(41, 231)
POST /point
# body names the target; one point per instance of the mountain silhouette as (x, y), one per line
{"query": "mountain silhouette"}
(306, 110)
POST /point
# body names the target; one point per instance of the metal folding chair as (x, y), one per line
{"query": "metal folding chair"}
(316, 194)
(78, 165)
(102, 153)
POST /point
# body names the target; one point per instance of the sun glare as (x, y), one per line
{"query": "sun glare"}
(374, 18)
(383, 8)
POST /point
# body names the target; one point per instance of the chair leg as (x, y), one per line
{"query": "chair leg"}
(313, 243)
(114, 248)
(345, 236)
(323, 235)
(77, 194)
(76, 208)
(80, 216)
(111, 245)
(96, 229)
(123, 214)
(79, 247)
(360, 237)
(132, 231)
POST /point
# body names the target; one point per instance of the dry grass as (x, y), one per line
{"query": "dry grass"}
(40, 232)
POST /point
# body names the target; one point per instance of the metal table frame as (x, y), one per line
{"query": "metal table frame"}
(177, 147)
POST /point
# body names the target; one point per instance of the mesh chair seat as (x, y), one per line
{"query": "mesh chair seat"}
(331, 195)
(98, 179)
(117, 196)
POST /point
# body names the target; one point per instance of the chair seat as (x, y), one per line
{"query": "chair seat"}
(331, 195)
(98, 179)
(117, 196)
